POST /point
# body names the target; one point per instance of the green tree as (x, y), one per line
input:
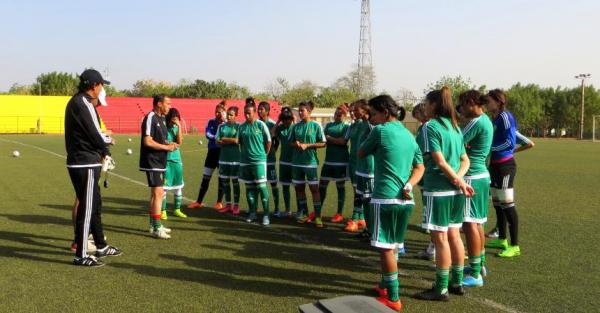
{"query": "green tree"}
(55, 84)
(303, 91)
(361, 83)
(331, 97)
(17, 89)
(457, 85)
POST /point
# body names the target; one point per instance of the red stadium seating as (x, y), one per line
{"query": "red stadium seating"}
(124, 115)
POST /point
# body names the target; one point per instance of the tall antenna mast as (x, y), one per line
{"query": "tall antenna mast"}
(365, 59)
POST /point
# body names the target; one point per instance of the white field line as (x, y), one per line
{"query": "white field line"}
(425, 282)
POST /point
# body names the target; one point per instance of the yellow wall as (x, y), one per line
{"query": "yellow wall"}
(20, 114)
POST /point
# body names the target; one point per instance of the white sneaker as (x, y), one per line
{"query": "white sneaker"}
(161, 233)
(167, 230)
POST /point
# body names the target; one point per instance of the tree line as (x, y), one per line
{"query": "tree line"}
(540, 111)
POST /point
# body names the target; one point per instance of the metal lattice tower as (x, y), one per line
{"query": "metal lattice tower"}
(365, 59)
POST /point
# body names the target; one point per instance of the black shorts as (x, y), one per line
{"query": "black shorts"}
(503, 174)
(155, 178)
(212, 158)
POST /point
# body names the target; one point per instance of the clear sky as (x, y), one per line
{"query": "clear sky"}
(496, 43)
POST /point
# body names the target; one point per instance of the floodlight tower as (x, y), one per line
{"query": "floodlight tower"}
(583, 77)
(365, 59)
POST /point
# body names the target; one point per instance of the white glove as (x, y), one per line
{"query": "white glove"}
(408, 187)
(108, 164)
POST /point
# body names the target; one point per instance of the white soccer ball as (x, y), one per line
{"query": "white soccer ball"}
(129, 151)
(16, 153)
(200, 142)
(129, 139)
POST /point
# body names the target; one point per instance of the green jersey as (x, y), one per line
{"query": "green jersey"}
(336, 154)
(396, 153)
(287, 152)
(173, 156)
(306, 132)
(230, 153)
(252, 138)
(440, 136)
(364, 166)
(477, 135)
(271, 157)
(352, 136)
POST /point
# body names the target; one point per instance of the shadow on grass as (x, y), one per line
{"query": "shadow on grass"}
(239, 275)
(55, 220)
(302, 254)
(26, 252)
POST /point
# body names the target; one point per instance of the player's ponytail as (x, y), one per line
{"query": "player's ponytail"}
(443, 107)
(385, 103)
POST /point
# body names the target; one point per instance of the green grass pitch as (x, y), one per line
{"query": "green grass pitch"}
(217, 263)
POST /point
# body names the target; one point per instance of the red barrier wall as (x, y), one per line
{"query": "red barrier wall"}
(125, 115)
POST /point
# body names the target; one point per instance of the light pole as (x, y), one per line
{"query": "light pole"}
(583, 78)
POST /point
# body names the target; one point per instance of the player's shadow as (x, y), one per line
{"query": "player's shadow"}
(286, 229)
(227, 281)
(303, 254)
(39, 219)
(258, 271)
(32, 247)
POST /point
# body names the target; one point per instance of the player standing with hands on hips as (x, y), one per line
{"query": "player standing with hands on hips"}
(153, 159)
(85, 142)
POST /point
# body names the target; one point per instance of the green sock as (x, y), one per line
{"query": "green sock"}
(251, 197)
(475, 263)
(263, 191)
(457, 275)
(155, 221)
(355, 215)
(366, 206)
(236, 192)
(441, 280)
(392, 285)
(178, 200)
(323, 191)
(302, 206)
(226, 185)
(275, 193)
(287, 197)
(164, 201)
(317, 206)
(361, 213)
(341, 191)
(482, 255)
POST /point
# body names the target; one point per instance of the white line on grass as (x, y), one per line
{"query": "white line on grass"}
(300, 238)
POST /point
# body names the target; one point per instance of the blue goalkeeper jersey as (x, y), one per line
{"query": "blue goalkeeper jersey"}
(211, 132)
(504, 140)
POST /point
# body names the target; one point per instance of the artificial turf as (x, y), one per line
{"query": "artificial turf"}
(218, 263)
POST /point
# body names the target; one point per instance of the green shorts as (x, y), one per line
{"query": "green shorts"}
(304, 175)
(476, 207)
(173, 176)
(271, 173)
(331, 172)
(443, 209)
(390, 220)
(229, 170)
(253, 173)
(364, 186)
(285, 173)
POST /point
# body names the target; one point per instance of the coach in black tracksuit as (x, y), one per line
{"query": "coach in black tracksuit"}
(86, 143)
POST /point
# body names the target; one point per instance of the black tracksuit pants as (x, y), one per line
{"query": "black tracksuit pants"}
(85, 181)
